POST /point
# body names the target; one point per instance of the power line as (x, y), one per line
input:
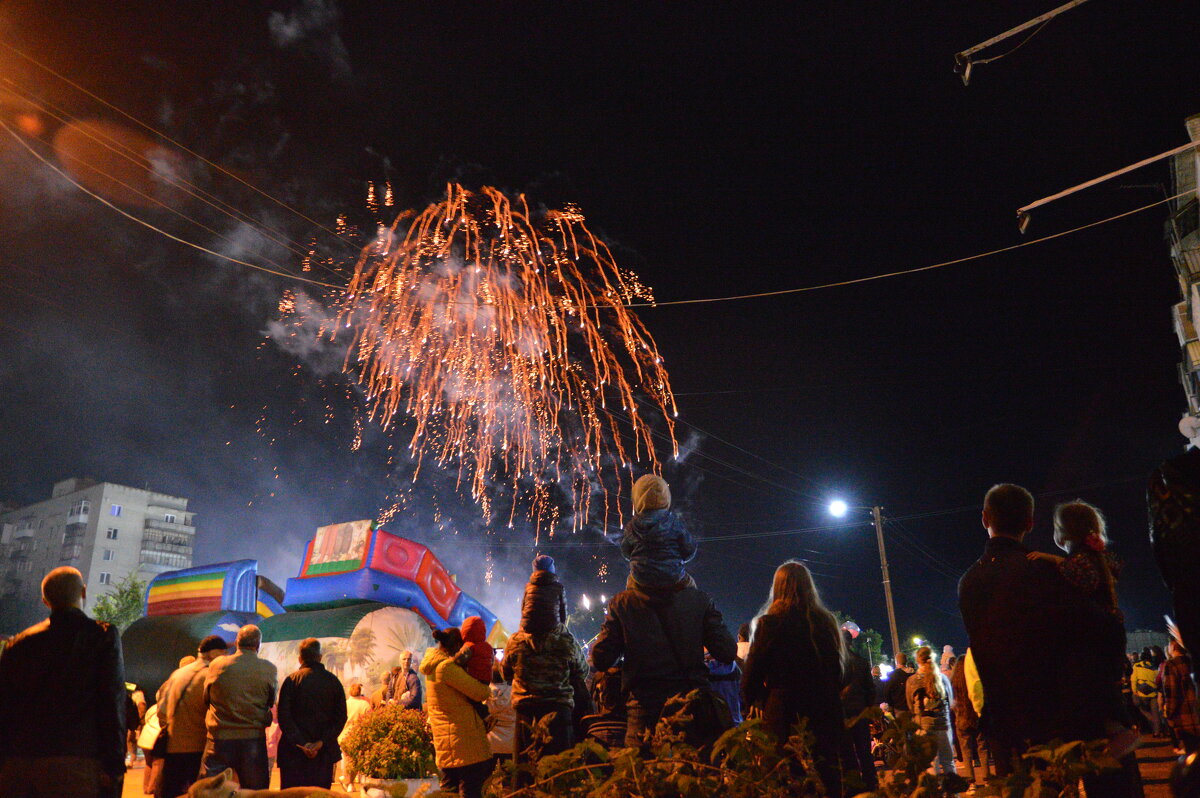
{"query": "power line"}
(732, 445)
(193, 190)
(886, 275)
(176, 212)
(17, 137)
(703, 300)
(165, 137)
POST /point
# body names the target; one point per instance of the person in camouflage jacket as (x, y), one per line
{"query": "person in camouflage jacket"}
(546, 671)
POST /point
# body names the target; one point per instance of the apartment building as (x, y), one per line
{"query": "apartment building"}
(105, 530)
(1183, 237)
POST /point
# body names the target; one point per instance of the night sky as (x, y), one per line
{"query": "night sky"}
(720, 150)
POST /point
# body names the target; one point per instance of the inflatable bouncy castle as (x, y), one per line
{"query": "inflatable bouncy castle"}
(350, 563)
(366, 594)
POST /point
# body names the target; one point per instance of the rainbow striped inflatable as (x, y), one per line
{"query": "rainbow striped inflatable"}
(233, 586)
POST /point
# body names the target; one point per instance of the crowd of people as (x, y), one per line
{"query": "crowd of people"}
(663, 646)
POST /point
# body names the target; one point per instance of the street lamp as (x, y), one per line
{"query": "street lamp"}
(838, 509)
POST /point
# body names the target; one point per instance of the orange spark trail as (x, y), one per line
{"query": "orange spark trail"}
(502, 333)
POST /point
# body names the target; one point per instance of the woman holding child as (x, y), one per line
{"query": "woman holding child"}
(460, 742)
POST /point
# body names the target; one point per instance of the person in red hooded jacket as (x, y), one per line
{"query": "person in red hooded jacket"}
(477, 657)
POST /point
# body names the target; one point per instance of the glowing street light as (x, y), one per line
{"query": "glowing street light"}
(587, 602)
(838, 509)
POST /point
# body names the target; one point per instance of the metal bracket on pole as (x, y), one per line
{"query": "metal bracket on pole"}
(962, 60)
(1023, 212)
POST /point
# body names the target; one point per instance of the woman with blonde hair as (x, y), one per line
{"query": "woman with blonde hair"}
(929, 698)
(794, 668)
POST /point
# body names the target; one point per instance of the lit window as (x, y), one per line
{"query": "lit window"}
(109, 554)
(169, 518)
(111, 533)
(115, 510)
(105, 578)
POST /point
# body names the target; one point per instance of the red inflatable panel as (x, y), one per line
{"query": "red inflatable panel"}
(437, 584)
(397, 556)
(185, 606)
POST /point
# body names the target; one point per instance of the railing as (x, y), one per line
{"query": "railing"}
(166, 548)
(164, 561)
(170, 526)
(1186, 220)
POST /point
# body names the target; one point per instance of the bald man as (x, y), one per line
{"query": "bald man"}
(62, 701)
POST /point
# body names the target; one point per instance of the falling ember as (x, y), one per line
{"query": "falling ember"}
(503, 335)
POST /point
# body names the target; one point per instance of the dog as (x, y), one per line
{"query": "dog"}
(225, 785)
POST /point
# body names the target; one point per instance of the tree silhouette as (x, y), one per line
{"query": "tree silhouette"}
(361, 649)
(122, 605)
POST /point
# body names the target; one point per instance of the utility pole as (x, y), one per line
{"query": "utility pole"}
(887, 579)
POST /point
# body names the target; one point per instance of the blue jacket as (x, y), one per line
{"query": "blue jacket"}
(726, 681)
(657, 544)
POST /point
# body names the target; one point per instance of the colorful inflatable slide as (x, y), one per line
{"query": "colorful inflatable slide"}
(367, 594)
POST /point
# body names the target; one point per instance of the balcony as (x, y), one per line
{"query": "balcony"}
(166, 544)
(164, 548)
(1185, 328)
(158, 568)
(1186, 220)
(168, 526)
(23, 532)
(158, 509)
(80, 517)
(159, 561)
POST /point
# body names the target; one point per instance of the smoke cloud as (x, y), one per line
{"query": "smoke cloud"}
(312, 28)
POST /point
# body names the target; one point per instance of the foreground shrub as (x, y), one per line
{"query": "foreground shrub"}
(746, 762)
(390, 743)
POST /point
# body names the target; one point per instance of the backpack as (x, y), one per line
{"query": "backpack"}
(1144, 680)
(710, 715)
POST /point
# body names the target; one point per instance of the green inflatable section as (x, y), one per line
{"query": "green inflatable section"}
(153, 646)
(336, 622)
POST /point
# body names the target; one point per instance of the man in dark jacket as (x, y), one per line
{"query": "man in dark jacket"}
(312, 712)
(1012, 605)
(895, 689)
(62, 701)
(858, 693)
(660, 664)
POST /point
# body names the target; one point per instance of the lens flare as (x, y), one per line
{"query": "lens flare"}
(502, 335)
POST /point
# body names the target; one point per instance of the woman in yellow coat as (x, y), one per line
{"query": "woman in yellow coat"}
(460, 743)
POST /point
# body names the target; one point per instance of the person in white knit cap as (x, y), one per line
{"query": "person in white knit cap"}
(946, 663)
(655, 541)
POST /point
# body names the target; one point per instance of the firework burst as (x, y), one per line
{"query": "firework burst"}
(503, 335)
